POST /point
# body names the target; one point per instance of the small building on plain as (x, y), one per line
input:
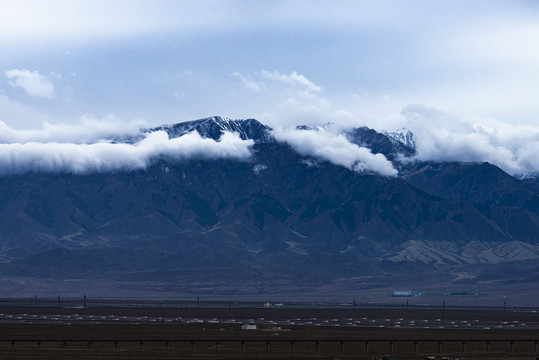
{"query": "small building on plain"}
(405, 293)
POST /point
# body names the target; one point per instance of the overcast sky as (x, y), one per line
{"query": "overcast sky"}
(471, 66)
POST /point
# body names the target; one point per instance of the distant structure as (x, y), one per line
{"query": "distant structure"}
(248, 326)
(405, 293)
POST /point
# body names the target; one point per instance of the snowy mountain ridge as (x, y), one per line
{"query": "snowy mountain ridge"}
(213, 127)
(403, 136)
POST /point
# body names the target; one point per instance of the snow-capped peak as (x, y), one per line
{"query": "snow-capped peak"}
(403, 136)
(213, 127)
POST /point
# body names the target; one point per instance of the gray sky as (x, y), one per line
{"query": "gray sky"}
(462, 69)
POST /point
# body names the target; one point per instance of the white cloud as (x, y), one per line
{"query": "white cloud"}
(24, 19)
(86, 130)
(312, 111)
(17, 158)
(328, 145)
(294, 79)
(248, 82)
(444, 137)
(31, 82)
(259, 167)
(292, 100)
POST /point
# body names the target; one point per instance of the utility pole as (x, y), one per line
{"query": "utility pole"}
(406, 310)
(443, 312)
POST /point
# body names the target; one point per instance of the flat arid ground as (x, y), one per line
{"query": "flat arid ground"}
(284, 331)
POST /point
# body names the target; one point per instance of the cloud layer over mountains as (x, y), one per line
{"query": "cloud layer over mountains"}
(442, 136)
(102, 156)
(96, 146)
(93, 145)
(86, 130)
(334, 147)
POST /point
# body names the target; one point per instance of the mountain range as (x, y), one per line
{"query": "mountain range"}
(279, 223)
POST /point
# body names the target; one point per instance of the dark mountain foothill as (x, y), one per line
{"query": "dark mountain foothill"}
(279, 224)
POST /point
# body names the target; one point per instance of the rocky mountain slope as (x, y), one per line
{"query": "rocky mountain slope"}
(278, 222)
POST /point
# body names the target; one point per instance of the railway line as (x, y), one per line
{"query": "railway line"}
(191, 332)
